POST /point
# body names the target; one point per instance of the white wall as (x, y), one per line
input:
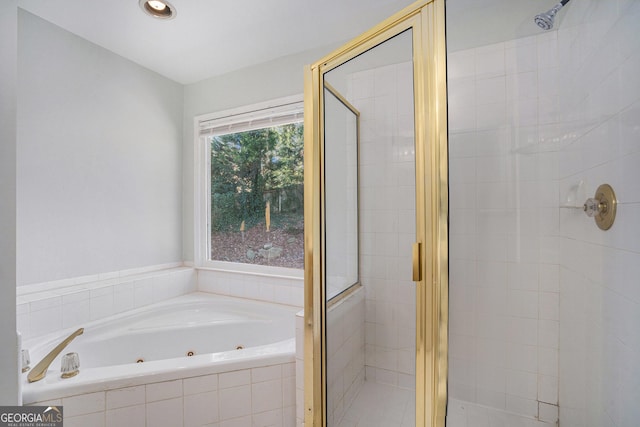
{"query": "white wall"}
(599, 100)
(8, 67)
(99, 159)
(503, 193)
(265, 82)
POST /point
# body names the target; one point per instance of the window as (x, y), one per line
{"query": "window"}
(251, 185)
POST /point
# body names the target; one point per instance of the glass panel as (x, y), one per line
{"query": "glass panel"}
(371, 376)
(341, 194)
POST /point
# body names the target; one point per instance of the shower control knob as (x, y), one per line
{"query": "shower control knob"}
(602, 207)
(593, 207)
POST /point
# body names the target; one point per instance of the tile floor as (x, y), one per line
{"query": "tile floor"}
(380, 405)
(467, 414)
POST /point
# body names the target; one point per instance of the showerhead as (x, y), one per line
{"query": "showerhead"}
(545, 20)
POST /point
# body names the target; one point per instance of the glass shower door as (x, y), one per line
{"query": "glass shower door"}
(371, 327)
(375, 244)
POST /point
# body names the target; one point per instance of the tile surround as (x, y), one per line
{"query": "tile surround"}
(49, 307)
(502, 235)
(598, 296)
(387, 211)
(280, 290)
(518, 257)
(345, 354)
(53, 306)
(238, 398)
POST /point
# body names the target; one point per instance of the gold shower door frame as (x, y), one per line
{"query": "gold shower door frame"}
(427, 20)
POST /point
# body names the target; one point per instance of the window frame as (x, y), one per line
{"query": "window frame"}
(202, 189)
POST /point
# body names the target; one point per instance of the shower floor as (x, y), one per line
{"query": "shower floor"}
(381, 405)
(467, 414)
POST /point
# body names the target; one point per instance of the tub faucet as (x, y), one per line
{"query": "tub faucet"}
(40, 370)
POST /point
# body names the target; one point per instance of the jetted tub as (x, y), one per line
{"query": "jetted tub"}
(188, 336)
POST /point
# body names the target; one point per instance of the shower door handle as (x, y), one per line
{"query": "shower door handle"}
(417, 266)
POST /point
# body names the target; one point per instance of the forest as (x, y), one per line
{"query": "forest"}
(257, 196)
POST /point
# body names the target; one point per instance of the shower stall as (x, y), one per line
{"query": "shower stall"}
(544, 303)
(531, 315)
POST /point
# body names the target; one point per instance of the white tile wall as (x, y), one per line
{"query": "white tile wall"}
(503, 233)
(280, 290)
(48, 307)
(124, 397)
(528, 277)
(599, 94)
(165, 413)
(345, 354)
(387, 212)
(131, 415)
(346, 369)
(84, 404)
(299, 368)
(263, 396)
(96, 419)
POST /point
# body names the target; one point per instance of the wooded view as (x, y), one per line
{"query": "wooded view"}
(257, 196)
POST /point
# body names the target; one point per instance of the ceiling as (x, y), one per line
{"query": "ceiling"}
(213, 37)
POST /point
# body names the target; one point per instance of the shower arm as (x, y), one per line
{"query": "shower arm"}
(558, 6)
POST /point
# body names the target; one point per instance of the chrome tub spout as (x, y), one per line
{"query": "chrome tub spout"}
(40, 370)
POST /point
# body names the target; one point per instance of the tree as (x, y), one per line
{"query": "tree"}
(287, 165)
(246, 164)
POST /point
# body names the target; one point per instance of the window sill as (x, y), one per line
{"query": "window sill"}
(252, 270)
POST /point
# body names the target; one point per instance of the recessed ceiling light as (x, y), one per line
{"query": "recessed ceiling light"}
(158, 9)
(157, 5)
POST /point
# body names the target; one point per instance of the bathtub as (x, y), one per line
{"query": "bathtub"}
(189, 336)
